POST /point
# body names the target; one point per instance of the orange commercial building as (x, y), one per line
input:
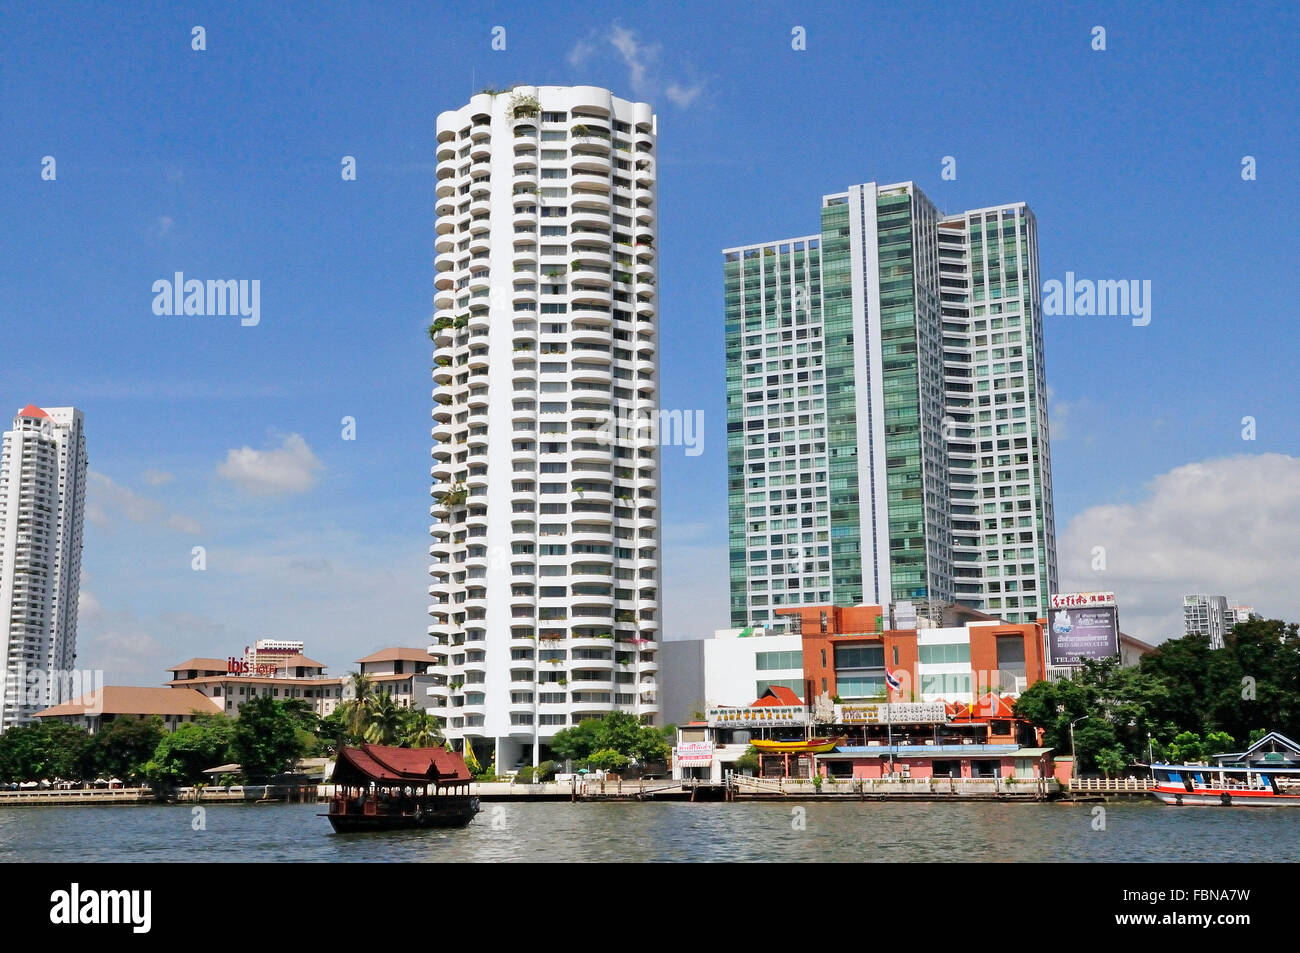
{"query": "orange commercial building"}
(850, 654)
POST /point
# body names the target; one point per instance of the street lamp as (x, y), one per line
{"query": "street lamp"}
(1150, 755)
(1074, 761)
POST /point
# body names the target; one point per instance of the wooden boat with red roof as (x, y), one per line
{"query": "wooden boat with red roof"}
(380, 788)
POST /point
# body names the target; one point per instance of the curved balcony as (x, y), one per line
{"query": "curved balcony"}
(591, 202)
(598, 296)
(592, 181)
(587, 163)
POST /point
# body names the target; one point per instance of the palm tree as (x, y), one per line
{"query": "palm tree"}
(363, 691)
(383, 720)
(421, 730)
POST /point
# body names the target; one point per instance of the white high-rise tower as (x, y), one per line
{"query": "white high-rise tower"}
(42, 499)
(545, 546)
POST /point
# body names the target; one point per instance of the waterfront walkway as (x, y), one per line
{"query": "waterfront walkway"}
(247, 793)
(896, 789)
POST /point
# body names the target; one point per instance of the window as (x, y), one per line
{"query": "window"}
(860, 686)
(766, 661)
(951, 653)
(794, 684)
(859, 656)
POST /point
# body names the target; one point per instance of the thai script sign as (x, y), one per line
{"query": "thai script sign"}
(895, 713)
(694, 754)
(758, 715)
(1068, 600)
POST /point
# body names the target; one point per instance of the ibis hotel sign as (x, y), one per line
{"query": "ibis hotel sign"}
(896, 713)
(1082, 625)
(757, 716)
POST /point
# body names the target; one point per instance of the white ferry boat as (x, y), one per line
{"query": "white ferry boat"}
(1265, 775)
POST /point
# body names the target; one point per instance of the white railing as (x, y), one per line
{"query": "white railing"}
(1111, 784)
(913, 786)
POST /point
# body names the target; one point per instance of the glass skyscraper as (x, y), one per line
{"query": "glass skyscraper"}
(886, 414)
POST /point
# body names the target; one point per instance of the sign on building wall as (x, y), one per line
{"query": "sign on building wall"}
(895, 713)
(1069, 600)
(1082, 631)
(694, 754)
(757, 716)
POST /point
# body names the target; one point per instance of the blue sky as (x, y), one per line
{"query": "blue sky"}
(225, 164)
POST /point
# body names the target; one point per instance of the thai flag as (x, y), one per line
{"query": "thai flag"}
(893, 681)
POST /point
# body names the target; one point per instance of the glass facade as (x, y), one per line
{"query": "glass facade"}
(777, 498)
(951, 393)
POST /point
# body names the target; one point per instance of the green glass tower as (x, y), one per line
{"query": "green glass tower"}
(857, 466)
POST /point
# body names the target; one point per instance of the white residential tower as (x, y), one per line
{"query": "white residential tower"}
(545, 542)
(42, 499)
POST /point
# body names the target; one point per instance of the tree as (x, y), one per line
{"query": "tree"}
(1219, 742)
(65, 753)
(1111, 761)
(618, 731)
(420, 729)
(123, 748)
(183, 755)
(383, 720)
(747, 763)
(334, 730)
(266, 741)
(24, 753)
(363, 690)
(607, 759)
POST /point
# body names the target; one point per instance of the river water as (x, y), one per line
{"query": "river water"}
(753, 831)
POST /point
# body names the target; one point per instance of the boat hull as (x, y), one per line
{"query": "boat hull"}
(456, 814)
(813, 746)
(1215, 797)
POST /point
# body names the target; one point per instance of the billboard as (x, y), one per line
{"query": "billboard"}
(1068, 600)
(757, 716)
(897, 713)
(694, 754)
(1082, 629)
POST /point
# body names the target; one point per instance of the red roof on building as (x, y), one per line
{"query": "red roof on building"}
(986, 707)
(294, 661)
(393, 765)
(136, 700)
(777, 695)
(31, 410)
(201, 665)
(397, 654)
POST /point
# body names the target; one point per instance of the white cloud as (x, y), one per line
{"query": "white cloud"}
(162, 225)
(156, 477)
(581, 52)
(106, 499)
(637, 56)
(289, 469)
(642, 61)
(683, 96)
(1229, 526)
